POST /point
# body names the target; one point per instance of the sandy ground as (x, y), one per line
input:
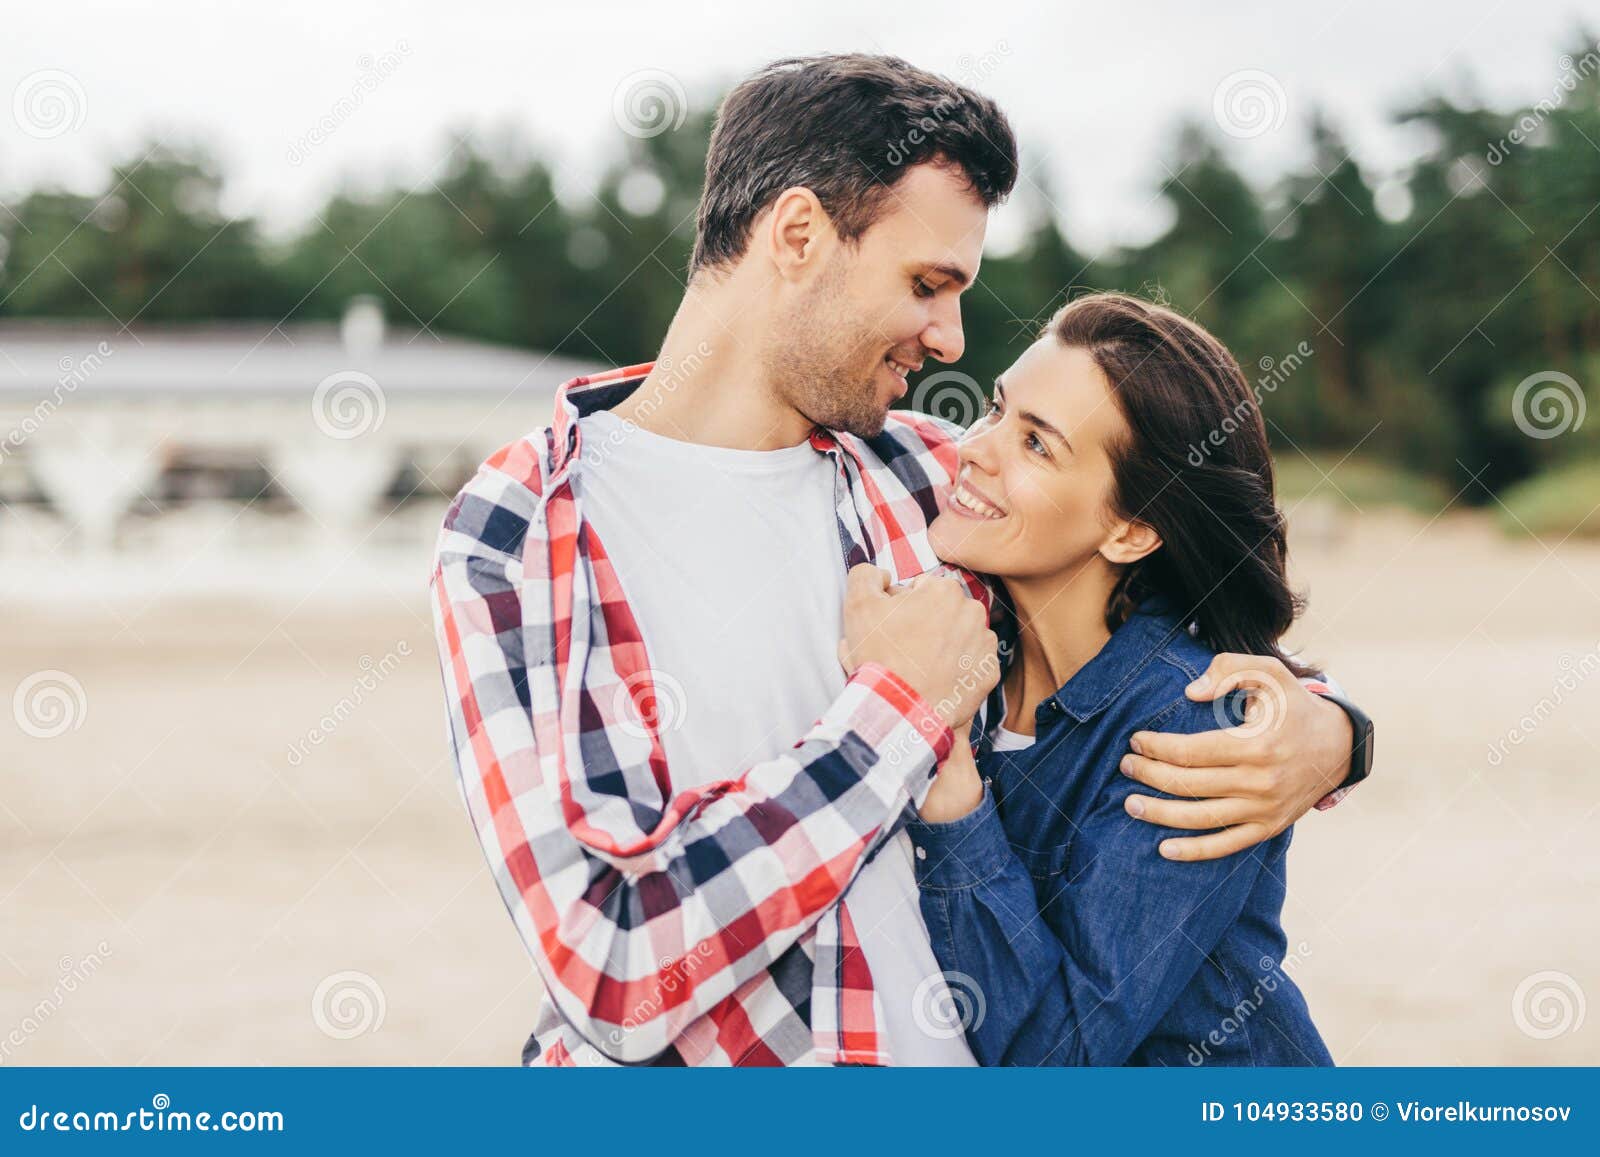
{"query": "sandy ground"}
(180, 883)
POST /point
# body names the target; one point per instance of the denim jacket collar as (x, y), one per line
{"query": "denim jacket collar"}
(1098, 682)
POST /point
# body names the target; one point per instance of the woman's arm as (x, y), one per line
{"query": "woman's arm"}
(957, 789)
(1127, 931)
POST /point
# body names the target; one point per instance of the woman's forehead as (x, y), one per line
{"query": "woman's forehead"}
(1064, 386)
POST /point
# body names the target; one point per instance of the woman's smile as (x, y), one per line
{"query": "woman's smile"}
(968, 501)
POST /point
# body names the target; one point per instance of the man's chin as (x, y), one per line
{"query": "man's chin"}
(862, 425)
(876, 425)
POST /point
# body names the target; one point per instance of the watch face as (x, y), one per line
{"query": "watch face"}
(1363, 760)
(1361, 751)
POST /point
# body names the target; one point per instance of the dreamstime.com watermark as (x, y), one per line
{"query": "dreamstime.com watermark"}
(949, 395)
(73, 373)
(1274, 973)
(50, 703)
(648, 103)
(672, 975)
(1528, 123)
(1548, 1004)
(348, 404)
(649, 703)
(1249, 103)
(372, 674)
(73, 972)
(348, 1004)
(48, 104)
(971, 70)
(1573, 672)
(948, 1004)
(666, 378)
(160, 1117)
(374, 70)
(1547, 404)
(972, 675)
(1275, 371)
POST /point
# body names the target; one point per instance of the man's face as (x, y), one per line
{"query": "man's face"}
(880, 308)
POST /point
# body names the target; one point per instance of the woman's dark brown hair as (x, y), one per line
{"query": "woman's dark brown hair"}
(1196, 468)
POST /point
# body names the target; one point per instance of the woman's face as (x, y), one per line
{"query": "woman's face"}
(1031, 498)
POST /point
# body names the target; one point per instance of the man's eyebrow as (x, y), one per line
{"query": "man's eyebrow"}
(954, 272)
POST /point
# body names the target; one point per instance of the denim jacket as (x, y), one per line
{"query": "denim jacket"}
(1068, 938)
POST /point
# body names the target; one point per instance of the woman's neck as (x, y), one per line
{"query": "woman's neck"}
(1061, 625)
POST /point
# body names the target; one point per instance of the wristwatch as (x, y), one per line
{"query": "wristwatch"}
(1361, 750)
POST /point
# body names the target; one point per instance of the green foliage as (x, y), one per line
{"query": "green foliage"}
(1556, 504)
(1355, 483)
(1420, 329)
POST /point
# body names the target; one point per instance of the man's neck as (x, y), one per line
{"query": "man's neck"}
(708, 385)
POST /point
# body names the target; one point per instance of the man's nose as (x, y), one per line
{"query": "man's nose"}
(943, 337)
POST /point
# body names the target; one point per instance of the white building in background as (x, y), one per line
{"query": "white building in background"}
(238, 436)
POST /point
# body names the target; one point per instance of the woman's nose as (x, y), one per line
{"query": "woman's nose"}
(976, 449)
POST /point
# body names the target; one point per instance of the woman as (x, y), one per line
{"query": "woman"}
(1121, 488)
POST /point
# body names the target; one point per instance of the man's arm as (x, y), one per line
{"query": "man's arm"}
(1293, 752)
(645, 908)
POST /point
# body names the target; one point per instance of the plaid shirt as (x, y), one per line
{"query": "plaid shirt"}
(673, 927)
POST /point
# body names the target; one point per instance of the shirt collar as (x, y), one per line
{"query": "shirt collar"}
(586, 395)
(1098, 682)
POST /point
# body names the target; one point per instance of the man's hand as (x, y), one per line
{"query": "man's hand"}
(931, 633)
(1253, 780)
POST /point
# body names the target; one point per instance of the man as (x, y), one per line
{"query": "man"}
(639, 613)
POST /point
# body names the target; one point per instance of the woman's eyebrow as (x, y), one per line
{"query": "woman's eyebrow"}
(1031, 418)
(1039, 423)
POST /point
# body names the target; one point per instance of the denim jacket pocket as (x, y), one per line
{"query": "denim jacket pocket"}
(1044, 863)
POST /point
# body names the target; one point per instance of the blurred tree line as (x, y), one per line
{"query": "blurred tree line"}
(1483, 269)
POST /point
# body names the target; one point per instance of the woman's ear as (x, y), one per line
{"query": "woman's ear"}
(1129, 542)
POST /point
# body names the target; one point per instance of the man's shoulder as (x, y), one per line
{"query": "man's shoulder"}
(496, 506)
(919, 448)
(521, 460)
(910, 427)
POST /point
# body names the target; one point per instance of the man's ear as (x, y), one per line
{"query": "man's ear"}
(1129, 542)
(797, 231)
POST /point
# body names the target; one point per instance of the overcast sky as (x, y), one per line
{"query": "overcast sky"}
(1095, 89)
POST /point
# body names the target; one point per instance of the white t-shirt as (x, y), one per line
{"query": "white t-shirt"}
(1004, 740)
(732, 565)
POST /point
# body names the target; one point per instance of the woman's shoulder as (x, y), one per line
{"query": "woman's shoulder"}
(1153, 699)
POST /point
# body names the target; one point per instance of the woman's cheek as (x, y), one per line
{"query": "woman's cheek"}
(1058, 516)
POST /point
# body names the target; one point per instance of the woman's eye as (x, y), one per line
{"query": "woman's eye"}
(923, 289)
(1036, 444)
(991, 408)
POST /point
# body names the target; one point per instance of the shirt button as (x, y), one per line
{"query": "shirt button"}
(922, 853)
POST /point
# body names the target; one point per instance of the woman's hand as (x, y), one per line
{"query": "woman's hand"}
(958, 788)
(930, 632)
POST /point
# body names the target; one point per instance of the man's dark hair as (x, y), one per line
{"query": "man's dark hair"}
(847, 127)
